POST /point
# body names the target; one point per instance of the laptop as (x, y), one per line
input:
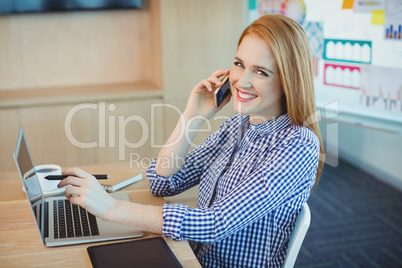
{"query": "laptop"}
(59, 222)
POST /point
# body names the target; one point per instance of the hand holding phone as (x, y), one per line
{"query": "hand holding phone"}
(222, 92)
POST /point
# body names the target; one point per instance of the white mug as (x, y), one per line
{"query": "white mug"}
(42, 171)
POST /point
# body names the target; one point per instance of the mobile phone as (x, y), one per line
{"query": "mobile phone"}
(222, 92)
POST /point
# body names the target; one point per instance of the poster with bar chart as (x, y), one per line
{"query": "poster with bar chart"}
(393, 20)
(393, 31)
(381, 88)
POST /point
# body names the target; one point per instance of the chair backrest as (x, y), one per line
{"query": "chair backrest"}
(297, 237)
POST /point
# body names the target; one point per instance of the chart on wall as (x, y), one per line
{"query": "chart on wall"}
(361, 63)
(356, 49)
(381, 88)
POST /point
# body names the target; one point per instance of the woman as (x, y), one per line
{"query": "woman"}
(255, 172)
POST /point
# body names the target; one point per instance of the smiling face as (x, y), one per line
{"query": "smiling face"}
(255, 81)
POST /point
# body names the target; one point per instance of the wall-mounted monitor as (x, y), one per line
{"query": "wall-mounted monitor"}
(38, 6)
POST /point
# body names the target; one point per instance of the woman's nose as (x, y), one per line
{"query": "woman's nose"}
(244, 80)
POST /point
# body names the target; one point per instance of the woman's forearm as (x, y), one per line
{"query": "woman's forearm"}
(171, 158)
(139, 216)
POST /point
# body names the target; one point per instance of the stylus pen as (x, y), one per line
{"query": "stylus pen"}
(61, 177)
(116, 187)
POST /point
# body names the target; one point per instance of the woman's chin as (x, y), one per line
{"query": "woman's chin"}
(239, 108)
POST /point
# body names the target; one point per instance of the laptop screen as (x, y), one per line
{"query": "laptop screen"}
(29, 179)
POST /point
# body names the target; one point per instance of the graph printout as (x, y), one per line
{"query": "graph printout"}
(381, 88)
(393, 20)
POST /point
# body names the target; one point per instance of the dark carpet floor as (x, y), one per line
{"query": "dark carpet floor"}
(356, 221)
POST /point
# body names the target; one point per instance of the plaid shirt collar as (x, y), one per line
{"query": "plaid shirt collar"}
(268, 127)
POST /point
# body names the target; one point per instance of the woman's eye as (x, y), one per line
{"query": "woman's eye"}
(262, 73)
(238, 64)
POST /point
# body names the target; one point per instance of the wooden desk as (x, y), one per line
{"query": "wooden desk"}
(20, 242)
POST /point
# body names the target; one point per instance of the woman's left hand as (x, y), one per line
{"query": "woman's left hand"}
(84, 190)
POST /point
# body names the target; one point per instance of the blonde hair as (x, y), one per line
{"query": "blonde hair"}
(290, 46)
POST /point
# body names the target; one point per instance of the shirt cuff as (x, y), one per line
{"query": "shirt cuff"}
(173, 216)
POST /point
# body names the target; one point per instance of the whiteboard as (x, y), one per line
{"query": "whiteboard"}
(349, 25)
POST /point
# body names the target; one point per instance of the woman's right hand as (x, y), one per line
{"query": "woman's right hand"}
(200, 107)
(201, 101)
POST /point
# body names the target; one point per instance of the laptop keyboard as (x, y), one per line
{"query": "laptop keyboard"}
(72, 220)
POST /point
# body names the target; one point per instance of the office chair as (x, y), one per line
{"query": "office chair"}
(297, 237)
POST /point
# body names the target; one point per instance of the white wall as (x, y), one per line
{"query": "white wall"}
(376, 152)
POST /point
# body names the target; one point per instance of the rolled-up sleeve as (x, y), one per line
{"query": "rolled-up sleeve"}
(189, 174)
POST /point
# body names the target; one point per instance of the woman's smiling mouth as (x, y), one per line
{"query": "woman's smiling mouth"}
(243, 96)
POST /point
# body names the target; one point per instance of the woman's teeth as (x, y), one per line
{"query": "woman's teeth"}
(246, 96)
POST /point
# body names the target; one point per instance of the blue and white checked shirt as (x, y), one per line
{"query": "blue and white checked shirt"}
(251, 191)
